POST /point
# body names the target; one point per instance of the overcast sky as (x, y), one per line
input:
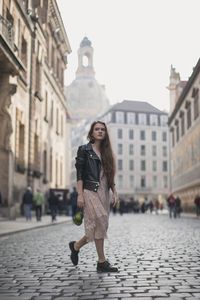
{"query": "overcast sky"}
(135, 42)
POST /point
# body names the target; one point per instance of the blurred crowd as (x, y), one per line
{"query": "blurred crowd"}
(54, 204)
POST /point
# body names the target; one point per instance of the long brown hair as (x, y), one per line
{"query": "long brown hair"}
(107, 156)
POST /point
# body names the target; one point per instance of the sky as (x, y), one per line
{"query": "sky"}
(135, 42)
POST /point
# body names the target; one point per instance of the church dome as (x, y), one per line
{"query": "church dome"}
(85, 96)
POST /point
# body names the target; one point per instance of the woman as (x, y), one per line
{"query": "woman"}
(95, 176)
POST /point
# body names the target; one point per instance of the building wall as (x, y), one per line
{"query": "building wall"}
(185, 145)
(37, 62)
(134, 189)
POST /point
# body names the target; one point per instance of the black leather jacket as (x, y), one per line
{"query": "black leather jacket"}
(88, 166)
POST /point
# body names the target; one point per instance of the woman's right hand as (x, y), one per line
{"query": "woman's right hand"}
(80, 201)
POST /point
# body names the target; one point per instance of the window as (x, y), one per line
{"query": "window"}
(164, 136)
(131, 181)
(119, 133)
(131, 149)
(154, 120)
(61, 126)
(172, 136)
(142, 150)
(142, 119)
(45, 165)
(52, 113)
(38, 77)
(196, 102)
(51, 165)
(24, 51)
(182, 124)
(120, 181)
(154, 165)
(36, 151)
(120, 164)
(130, 118)
(188, 116)
(131, 165)
(164, 149)
(46, 107)
(154, 182)
(57, 121)
(21, 143)
(164, 166)
(143, 165)
(61, 172)
(131, 134)
(142, 135)
(120, 149)
(177, 131)
(143, 181)
(120, 117)
(56, 172)
(163, 120)
(154, 150)
(165, 181)
(153, 136)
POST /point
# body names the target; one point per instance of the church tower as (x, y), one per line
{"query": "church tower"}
(85, 60)
(86, 98)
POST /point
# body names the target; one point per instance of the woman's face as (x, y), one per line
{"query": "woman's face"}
(99, 132)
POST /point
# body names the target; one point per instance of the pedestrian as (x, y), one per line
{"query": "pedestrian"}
(171, 206)
(73, 200)
(156, 205)
(0, 199)
(27, 202)
(151, 206)
(95, 167)
(53, 205)
(197, 204)
(38, 200)
(178, 206)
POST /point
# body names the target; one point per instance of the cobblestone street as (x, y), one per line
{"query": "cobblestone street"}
(158, 258)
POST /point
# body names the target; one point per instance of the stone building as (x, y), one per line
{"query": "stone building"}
(33, 113)
(184, 124)
(139, 135)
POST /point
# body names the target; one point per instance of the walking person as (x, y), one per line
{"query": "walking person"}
(53, 205)
(178, 206)
(73, 200)
(38, 200)
(171, 205)
(95, 167)
(27, 203)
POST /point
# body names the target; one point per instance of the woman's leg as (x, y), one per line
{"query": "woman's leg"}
(100, 250)
(80, 243)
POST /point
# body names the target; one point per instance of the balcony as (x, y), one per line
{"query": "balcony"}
(7, 31)
(8, 60)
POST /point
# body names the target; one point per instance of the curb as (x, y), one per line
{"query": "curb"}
(3, 234)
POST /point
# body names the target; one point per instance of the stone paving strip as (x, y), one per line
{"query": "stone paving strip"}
(158, 258)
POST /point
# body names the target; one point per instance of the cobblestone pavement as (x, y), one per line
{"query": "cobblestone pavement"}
(158, 258)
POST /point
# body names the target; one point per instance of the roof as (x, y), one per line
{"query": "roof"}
(136, 106)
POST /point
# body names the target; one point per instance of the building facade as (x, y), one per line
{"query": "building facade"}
(139, 135)
(184, 124)
(33, 112)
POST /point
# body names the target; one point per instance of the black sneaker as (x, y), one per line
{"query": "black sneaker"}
(106, 267)
(74, 253)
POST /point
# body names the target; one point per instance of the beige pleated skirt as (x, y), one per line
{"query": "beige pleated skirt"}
(96, 211)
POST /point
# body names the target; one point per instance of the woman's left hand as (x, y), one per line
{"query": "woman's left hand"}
(114, 199)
